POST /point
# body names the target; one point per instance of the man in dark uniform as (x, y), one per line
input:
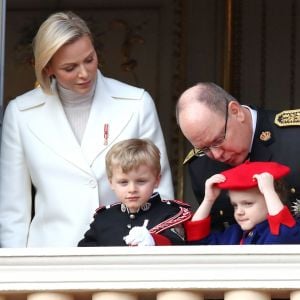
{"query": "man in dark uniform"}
(225, 133)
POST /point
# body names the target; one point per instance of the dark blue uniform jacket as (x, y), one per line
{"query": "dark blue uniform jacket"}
(114, 222)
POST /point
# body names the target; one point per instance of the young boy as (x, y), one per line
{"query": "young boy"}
(260, 215)
(141, 218)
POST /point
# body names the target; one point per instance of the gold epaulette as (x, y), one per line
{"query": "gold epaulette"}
(190, 155)
(288, 118)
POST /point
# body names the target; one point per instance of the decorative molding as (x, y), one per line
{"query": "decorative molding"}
(149, 269)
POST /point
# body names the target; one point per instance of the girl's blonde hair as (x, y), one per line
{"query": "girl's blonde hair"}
(58, 30)
(130, 154)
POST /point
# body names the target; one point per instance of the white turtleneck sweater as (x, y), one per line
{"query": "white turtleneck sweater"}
(77, 108)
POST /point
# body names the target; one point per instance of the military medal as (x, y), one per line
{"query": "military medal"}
(106, 133)
(265, 136)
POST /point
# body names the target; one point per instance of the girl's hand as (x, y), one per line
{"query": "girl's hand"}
(211, 190)
(265, 182)
(211, 194)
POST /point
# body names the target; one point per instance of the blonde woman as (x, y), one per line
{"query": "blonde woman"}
(56, 136)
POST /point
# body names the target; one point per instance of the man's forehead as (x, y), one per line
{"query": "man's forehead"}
(202, 130)
(199, 113)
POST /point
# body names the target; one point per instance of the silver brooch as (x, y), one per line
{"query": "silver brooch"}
(296, 208)
(123, 208)
(146, 206)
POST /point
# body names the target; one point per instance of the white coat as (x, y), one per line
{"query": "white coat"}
(38, 147)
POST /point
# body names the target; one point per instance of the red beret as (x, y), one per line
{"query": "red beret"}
(241, 177)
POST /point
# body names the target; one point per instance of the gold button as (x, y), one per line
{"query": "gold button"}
(293, 190)
(221, 212)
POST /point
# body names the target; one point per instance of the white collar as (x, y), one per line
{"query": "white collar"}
(254, 120)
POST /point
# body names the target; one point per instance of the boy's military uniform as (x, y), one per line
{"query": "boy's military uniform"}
(112, 223)
(277, 138)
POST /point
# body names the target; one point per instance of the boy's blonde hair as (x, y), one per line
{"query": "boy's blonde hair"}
(58, 30)
(130, 154)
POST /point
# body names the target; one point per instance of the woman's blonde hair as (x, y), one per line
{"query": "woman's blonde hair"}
(130, 154)
(58, 30)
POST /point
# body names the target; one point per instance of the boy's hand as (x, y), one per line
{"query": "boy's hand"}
(139, 236)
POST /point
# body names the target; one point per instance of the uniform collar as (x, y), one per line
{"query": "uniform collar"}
(263, 138)
(253, 113)
(145, 207)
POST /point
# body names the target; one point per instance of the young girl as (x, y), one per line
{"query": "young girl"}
(261, 216)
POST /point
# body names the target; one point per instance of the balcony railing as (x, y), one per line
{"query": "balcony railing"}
(164, 273)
